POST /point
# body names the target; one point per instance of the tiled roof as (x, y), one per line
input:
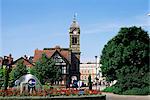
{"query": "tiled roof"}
(25, 62)
(50, 51)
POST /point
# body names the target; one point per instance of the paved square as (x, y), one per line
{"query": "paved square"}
(110, 96)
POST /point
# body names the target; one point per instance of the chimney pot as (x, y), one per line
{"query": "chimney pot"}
(25, 57)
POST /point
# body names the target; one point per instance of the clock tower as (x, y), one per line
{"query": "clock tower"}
(74, 32)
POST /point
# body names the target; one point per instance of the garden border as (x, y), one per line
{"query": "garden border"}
(92, 97)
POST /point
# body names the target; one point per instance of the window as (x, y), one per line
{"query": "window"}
(63, 69)
(58, 60)
(82, 77)
(82, 71)
(74, 40)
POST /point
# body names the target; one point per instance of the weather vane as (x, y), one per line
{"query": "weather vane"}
(75, 16)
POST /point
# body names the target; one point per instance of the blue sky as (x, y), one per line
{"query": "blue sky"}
(30, 24)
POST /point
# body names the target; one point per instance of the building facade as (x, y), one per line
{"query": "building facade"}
(92, 69)
(67, 59)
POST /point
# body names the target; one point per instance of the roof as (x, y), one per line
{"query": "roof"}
(64, 52)
(25, 62)
(75, 24)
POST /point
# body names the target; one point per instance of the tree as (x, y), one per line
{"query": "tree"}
(5, 69)
(125, 58)
(18, 71)
(90, 82)
(46, 71)
(1, 76)
(6, 77)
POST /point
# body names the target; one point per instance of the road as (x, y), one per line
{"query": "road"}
(110, 96)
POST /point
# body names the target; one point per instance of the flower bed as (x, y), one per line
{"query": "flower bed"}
(50, 92)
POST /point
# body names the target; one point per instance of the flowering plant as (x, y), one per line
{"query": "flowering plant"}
(50, 92)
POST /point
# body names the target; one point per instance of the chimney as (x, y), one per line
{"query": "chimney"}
(25, 57)
(10, 56)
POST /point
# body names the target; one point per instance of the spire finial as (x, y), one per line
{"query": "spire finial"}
(75, 16)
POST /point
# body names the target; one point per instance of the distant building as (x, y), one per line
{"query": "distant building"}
(31, 59)
(25, 62)
(1, 61)
(6, 60)
(92, 69)
(68, 59)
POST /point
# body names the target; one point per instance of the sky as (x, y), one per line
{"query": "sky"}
(26, 25)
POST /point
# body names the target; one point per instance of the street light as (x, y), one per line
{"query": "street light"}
(96, 70)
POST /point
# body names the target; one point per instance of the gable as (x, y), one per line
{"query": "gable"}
(25, 62)
(64, 53)
(59, 59)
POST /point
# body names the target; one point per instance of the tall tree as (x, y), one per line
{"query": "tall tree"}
(1, 76)
(46, 71)
(125, 58)
(89, 82)
(18, 71)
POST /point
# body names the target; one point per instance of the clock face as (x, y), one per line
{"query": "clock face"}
(75, 32)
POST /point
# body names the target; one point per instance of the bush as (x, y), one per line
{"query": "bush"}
(133, 91)
(137, 91)
(109, 89)
(117, 90)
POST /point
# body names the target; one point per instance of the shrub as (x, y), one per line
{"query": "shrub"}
(117, 90)
(109, 89)
(137, 91)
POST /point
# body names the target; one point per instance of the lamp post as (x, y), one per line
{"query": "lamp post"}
(96, 70)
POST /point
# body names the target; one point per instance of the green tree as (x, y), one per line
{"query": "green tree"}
(6, 77)
(1, 77)
(46, 71)
(17, 71)
(90, 82)
(125, 58)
